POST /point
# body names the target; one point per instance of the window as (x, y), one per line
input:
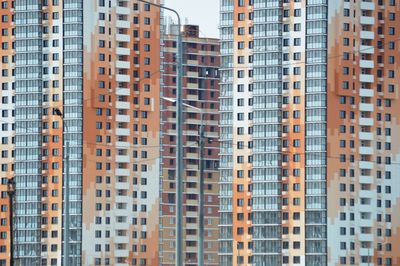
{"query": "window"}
(286, 13)
(296, 202)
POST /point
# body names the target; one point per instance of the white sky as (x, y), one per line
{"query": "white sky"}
(199, 12)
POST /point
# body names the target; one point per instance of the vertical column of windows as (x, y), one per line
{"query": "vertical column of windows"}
(267, 134)
(7, 131)
(145, 132)
(72, 89)
(242, 121)
(226, 133)
(99, 242)
(51, 133)
(293, 144)
(315, 133)
(168, 153)
(28, 173)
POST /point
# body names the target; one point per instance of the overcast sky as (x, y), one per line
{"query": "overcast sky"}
(200, 12)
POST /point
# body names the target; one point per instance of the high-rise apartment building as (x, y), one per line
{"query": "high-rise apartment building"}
(98, 62)
(200, 94)
(309, 122)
